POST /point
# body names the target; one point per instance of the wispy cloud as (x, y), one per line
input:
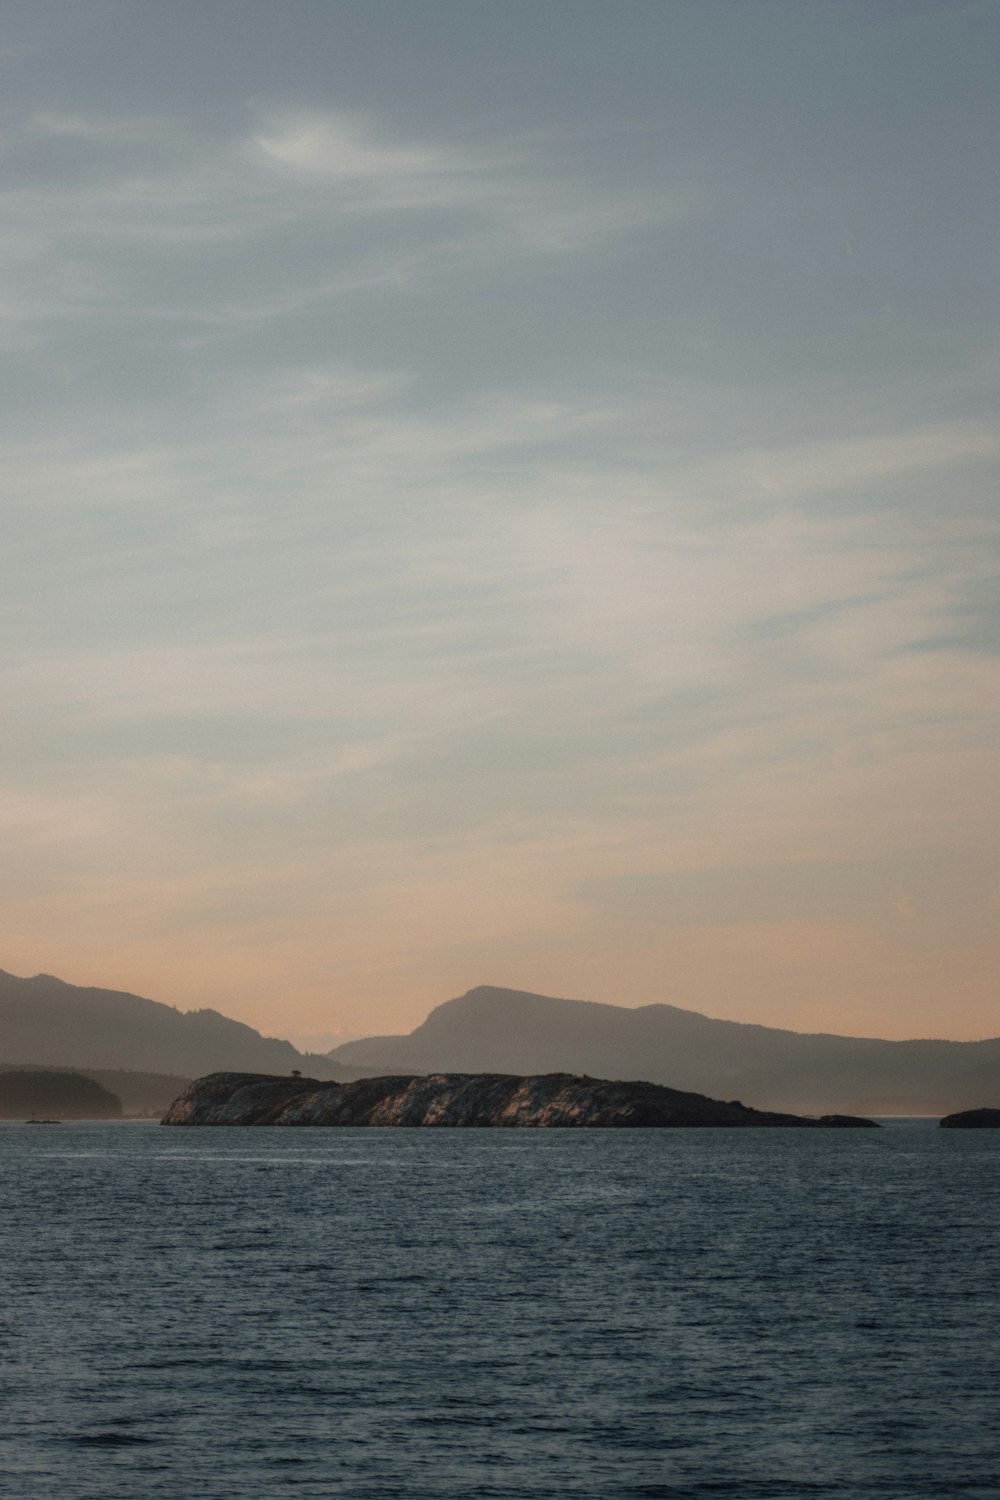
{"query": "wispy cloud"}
(95, 206)
(421, 527)
(800, 471)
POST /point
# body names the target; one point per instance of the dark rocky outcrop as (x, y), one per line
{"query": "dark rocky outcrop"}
(463, 1099)
(60, 1096)
(143, 1095)
(973, 1119)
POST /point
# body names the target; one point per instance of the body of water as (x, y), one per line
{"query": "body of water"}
(244, 1314)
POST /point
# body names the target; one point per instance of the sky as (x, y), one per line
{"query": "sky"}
(503, 494)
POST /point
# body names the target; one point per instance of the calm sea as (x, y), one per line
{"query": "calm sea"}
(245, 1314)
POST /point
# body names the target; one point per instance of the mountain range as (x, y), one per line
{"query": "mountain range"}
(491, 1030)
(46, 1022)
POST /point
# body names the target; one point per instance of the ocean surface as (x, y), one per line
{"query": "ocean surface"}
(245, 1314)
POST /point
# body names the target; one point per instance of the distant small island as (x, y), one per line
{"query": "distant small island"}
(467, 1099)
(56, 1095)
(973, 1119)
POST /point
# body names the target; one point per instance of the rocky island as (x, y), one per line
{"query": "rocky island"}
(973, 1119)
(465, 1099)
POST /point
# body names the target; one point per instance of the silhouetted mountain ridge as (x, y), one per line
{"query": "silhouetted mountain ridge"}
(513, 1031)
(45, 1021)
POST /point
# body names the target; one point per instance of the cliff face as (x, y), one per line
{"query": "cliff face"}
(462, 1099)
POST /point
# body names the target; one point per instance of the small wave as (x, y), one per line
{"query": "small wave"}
(110, 1439)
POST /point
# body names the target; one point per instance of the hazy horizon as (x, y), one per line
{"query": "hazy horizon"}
(503, 495)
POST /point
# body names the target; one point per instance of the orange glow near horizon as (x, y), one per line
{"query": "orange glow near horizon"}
(543, 537)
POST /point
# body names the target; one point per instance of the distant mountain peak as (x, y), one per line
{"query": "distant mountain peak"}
(491, 1029)
(46, 1020)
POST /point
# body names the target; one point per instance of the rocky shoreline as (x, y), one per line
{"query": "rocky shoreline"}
(467, 1100)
